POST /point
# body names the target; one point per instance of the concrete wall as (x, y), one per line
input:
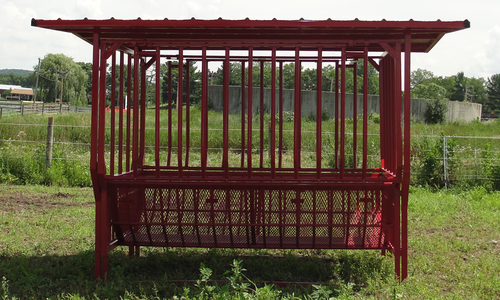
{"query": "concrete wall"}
(456, 110)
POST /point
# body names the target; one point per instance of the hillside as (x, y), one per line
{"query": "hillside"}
(15, 72)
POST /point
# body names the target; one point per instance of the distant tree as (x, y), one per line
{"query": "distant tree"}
(75, 80)
(420, 76)
(460, 87)
(194, 83)
(493, 90)
(429, 90)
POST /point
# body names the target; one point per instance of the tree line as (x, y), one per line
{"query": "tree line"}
(77, 81)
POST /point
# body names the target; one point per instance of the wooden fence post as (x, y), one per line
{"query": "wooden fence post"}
(50, 139)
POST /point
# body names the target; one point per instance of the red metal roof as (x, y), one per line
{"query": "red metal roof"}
(284, 34)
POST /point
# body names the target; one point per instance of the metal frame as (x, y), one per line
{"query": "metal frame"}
(249, 202)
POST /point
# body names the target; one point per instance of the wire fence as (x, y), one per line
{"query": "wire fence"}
(440, 160)
(23, 108)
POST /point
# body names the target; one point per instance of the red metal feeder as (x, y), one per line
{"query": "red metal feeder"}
(261, 188)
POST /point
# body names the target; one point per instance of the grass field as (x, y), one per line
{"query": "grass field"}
(46, 251)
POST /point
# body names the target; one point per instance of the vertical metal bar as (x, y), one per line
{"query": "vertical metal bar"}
(169, 142)
(319, 110)
(337, 115)
(179, 110)
(365, 112)
(204, 110)
(101, 166)
(250, 111)
(342, 112)
(399, 110)
(143, 114)
(113, 116)
(93, 153)
(261, 114)
(188, 125)
(242, 114)
(157, 112)
(355, 117)
(120, 116)
(95, 112)
(407, 159)
(382, 112)
(280, 142)
(297, 113)
(272, 144)
(129, 97)
(135, 123)
(225, 117)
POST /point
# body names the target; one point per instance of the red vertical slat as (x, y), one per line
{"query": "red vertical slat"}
(398, 106)
(142, 125)
(342, 112)
(319, 110)
(297, 113)
(157, 112)
(225, 120)
(250, 111)
(101, 166)
(242, 114)
(129, 98)
(179, 110)
(204, 110)
(272, 144)
(135, 125)
(113, 116)
(337, 115)
(280, 147)
(169, 142)
(261, 114)
(188, 109)
(120, 115)
(365, 112)
(355, 117)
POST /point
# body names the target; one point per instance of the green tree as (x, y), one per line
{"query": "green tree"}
(194, 83)
(75, 80)
(493, 90)
(429, 90)
(420, 76)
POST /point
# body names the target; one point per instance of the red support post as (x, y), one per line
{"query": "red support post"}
(342, 111)
(355, 116)
(280, 142)
(135, 121)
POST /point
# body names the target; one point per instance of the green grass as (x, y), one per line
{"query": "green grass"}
(46, 251)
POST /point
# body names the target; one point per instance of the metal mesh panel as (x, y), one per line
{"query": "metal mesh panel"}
(258, 217)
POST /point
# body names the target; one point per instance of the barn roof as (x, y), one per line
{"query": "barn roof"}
(283, 34)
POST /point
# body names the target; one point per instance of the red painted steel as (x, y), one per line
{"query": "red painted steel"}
(340, 200)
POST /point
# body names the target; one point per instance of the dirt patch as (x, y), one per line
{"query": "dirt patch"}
(17, 201)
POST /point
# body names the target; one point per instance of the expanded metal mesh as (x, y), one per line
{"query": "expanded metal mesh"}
(250, 218)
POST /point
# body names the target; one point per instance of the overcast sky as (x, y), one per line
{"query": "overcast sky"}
(474, 51)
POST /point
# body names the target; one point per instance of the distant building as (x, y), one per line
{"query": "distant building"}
(16, 92)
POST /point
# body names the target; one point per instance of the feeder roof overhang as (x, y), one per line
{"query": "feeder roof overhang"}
(331, 35)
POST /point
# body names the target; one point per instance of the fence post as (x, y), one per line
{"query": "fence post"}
(43, 108)
(445, 162)
(50, 139)
(22, 109)
(1, 112)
